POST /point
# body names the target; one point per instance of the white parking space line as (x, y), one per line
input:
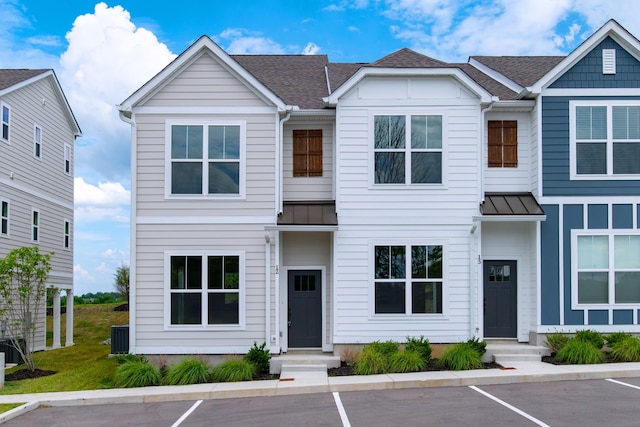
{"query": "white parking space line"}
(186, 414)
(341, 411)
(621, 383)
(506, 405)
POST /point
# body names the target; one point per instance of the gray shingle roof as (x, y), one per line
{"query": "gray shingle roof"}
(407, 58)
(524, 70)
(10, 77)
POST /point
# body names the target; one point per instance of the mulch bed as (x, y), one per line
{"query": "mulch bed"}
(552, 360)
(25, 374)
(433, 365)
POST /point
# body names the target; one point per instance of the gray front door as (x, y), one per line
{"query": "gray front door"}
(500, 299)
(305, 308)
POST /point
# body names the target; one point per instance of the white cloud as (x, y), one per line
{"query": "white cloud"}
(80, 274)
(241, 41)
(310, 49)
(105, 194)
(114, 255)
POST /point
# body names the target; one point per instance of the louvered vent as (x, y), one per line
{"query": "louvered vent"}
(608, 61)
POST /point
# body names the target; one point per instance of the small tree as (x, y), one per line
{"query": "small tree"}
(23, 293)
(122, 281)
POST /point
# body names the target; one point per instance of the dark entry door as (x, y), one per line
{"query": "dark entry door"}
(500, 299)
(305, 308)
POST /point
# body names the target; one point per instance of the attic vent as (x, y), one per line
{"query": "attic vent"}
(608, 61)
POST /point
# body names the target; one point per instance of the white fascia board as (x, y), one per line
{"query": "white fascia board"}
(612, 29)
(525, 105)
(202, 46)
(495, 75)
(456, 73)
(510, 218)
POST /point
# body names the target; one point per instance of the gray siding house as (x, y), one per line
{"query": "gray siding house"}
(290, 200)
(36, 179)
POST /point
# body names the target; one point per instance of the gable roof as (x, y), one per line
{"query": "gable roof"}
(407, 58)
(14, 79)
(522, 70)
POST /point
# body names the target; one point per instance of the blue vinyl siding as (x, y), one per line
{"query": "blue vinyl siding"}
(598, 317)
(623, 317)
(622, 216)
(598, 217)
(572, 219)
(555, 156)
(587, 73)
(550, 270)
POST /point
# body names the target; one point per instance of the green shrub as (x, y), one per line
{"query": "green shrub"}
(461, 356)
(477, 345)
(371, 361)
(419, 345)
(594, 337)
(614, 337)
(386, 348)
(137, 374)
(124, 358)
(406, 361)
(233, 370)
(259, 357)
(626, 349)
(188, 371)
(580, 352)
(556, 340)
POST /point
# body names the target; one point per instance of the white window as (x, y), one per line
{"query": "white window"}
(35, 225)
(407, 149)
(67, 159)
(605, 139)
(37, 142)
(66, 244)
(408, 279)
(205, 289)
(205, 159)
(6, 122)
(607, 268)
(4, 218)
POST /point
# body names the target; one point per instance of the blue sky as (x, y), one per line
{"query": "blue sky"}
(102, 52)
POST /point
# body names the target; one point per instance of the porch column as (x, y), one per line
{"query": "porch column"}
(69, 340)
(56, 319)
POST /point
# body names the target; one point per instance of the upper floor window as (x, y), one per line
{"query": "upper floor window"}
(37, 142)
(206, 159)
(6, 117)
(408, 149)
(503, 144)
(67, 159)
(67, 234)
(605, 139)
(35, 225)
(4, 218)
(307, 152)
(408, 279)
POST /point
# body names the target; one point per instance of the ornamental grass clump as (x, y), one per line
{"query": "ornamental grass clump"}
(372, 361)
(461, 356)
(188, 371)
(556, 341)
(406, 361)
(594, 337)
(137, 374)
(615, 337)
(626, 349)
(421, 346)
(581, 352)
(233, 370)
(479, 346)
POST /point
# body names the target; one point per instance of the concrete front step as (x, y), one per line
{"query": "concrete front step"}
(505, 359)
(302, 360)
(315, 367)
(516, 351)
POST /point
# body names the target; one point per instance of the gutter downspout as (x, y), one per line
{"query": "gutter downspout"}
(267, 272)
(279, 147)
(132, 240)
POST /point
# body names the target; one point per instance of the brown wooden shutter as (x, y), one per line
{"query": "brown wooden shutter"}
(510, 143)
(307, 152)
(495, 144)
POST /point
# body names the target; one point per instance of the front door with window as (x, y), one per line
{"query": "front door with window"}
(305, 308)
(500, 299)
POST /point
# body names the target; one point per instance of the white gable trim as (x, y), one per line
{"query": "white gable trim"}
(204, 45)
(610, 29)
(499, 77)
(361, 74)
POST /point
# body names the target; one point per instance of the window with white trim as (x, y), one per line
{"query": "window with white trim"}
(607, 270)
(408, 279)
(67, 159)
(66, 244)
(605, 139)
(4, 218)
(6, 122)
(407, 149)
(205, 289)
(205, 159)
(35, 225)
(37, 142)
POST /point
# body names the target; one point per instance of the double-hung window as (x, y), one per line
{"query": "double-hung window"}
(408, 279)
(607, 268)
(4, 218)
(605, 139)
(408, 149)
(6, 117)
(35, 225)
(205, 289)
(37, 142)
(67, 159)
(205, 159)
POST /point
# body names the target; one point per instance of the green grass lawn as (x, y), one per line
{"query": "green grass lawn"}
(84, 366)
